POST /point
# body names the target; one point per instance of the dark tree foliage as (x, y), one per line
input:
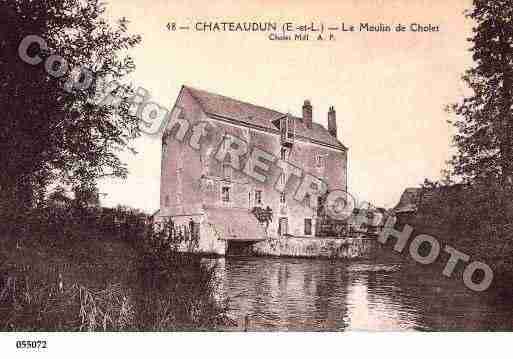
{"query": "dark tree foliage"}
(484, 128)
(50, 131)
(471, 207)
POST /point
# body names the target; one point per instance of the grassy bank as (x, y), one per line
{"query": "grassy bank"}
(93, 283)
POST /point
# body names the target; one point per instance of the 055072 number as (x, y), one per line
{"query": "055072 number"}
(31, 344)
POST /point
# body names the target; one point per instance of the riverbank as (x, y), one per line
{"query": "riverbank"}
(95, 284)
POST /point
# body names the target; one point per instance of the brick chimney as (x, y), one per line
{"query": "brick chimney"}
(307, 114)
(332, 122)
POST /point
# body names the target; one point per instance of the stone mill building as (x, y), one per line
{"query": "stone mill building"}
(197, 188)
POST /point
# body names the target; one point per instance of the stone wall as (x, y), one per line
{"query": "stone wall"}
(347, 248)
(209, 241)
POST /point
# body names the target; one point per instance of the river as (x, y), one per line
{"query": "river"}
(286, 294)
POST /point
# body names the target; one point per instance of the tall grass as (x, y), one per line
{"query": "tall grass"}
(97, 280)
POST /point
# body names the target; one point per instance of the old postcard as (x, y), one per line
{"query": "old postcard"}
(255, 166)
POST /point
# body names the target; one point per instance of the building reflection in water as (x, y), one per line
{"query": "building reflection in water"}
(374, 305)
(313, 295)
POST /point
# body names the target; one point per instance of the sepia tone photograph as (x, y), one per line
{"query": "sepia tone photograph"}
(257, 166)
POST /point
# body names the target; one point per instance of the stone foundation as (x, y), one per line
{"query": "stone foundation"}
(314, 247)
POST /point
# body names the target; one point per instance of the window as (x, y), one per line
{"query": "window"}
(283, 128)
(282, 181)
(225, 194)
(283, 154)
(319, 161)
(283, 225)
(308, 226)
(258, 197)
(282, 197)
(307, 199)
(320, 205)
(227, 171)
(290, 127)
(166, 201)
(287, 127)
(206, 161)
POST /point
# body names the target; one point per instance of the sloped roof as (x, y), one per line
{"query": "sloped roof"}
(412, 198)
(214, 104)
(235, 224)
(409, 200)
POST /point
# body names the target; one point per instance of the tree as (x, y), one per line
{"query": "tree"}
(86, 196)
(484, 127)
(52, 131)
(485, 119)
(58, 198)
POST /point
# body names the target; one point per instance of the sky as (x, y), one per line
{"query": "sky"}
(389, 89)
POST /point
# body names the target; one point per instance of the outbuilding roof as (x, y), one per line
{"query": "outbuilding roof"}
(409, 200)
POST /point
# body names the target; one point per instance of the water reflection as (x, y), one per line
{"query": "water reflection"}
(313, 295)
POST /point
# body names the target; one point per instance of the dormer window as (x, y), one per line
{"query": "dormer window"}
(290, 127)
(287, 130)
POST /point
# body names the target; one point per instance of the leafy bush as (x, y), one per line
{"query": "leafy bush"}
(102, 278)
